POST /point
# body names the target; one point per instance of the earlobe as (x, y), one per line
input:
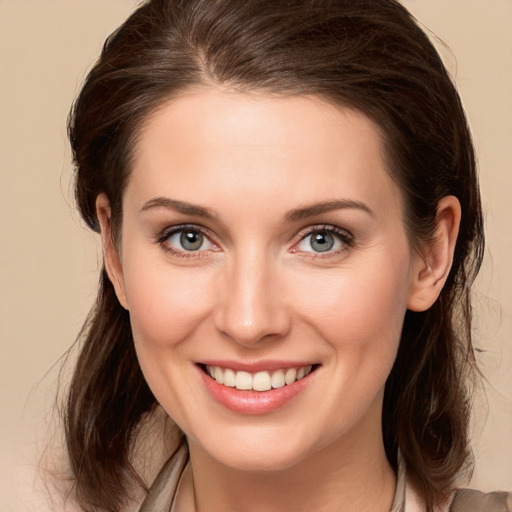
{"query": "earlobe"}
(111, 257)
(432, 266)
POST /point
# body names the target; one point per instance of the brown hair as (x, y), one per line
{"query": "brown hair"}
(365, 54)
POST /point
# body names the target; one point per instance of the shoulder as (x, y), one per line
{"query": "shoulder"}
(470, 500)
(461, 500)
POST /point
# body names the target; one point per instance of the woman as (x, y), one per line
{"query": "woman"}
(287, 198)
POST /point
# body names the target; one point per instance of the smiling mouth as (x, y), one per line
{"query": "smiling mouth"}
(259, 381)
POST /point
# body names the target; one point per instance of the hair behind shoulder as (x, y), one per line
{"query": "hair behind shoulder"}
(370, 56)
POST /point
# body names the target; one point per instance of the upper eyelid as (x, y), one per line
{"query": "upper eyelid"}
(324, 227)
(168, 231)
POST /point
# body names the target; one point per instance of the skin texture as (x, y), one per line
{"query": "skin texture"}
(256, 291)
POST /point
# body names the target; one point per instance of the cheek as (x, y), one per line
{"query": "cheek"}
(166, 304)
(359, 309)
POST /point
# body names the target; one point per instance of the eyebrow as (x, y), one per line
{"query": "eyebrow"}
(324, 207)
(179, 206)
(294, 215)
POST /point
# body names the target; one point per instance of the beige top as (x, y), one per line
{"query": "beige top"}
(161, 497)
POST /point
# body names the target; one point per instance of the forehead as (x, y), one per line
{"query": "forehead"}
(208, 145)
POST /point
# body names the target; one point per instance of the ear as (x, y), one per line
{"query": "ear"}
(432, 266)
(111, 256)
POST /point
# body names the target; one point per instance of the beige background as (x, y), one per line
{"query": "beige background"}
(49, 262)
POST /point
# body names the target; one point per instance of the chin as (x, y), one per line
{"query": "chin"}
(258, 460)
(256, 449)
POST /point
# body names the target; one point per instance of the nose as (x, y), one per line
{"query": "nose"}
(251, 307)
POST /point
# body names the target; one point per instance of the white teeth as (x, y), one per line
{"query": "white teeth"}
(219, 375)
(291, 375)
(278, 379)
(260, 381)
(229, 378)
(243, 380)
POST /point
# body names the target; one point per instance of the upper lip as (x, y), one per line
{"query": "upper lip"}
(257, 366)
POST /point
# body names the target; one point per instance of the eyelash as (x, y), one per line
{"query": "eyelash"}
(343, 236)
(167, 233)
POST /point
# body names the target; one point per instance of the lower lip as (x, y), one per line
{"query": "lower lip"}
(254, 402)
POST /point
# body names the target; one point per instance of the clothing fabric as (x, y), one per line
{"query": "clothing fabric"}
(163, 490)
(162, 494)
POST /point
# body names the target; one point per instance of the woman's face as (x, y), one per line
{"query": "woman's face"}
(263, 239)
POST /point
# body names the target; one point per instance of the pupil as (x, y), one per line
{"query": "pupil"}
(191, 240)
(322, 242)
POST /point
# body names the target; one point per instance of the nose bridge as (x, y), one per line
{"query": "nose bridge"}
(251, 307)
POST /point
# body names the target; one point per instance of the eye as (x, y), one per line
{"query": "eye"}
(324, 240)
(186, 239)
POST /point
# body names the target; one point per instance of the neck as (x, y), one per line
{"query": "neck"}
(343, 476)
